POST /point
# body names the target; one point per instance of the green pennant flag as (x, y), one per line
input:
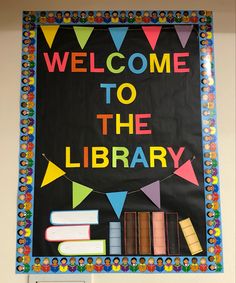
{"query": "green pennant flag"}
(80, 192)
(83, 34)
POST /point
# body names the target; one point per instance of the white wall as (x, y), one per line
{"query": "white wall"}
(10, 55)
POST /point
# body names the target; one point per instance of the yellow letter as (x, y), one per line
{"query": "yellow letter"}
(68, 163)
(160, 68)
(120, 90)
(129, 124)
(160, 156)
(102, 155)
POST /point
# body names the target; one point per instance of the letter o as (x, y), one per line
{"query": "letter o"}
(132, 96)
(131, 63)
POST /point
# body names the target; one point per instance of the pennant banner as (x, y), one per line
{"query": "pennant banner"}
(186, 172)
(49, 33)
(183, 32)
(152, 191)
(152, 33)
(53, 172)
(118, 36)
(117, 201)
(79, 193)
(83, 34)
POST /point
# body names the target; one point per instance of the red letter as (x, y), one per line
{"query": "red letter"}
(176, 157)
(181, 63)
(93, 69)
(56, 59)
(139, 125)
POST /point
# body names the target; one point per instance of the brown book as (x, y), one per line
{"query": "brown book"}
(144, 233)
(130, 233)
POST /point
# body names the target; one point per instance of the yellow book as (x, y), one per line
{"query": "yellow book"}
(190, 236)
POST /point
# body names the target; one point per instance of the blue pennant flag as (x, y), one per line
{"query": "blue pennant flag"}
(118, 35)
(117, 201)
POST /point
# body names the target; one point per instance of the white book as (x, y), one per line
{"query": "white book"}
(74, 217)
(64, 233)
(90, 247)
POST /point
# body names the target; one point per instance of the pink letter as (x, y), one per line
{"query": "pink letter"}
(139, 125)
(56, 59)
(178, 63)
(93, 69)
(176, 157)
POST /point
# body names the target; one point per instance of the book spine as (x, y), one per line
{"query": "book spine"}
(67, 233)
(159, 234)
(72, 217)
(130, 233)
(190, 236)
(172, 233)
(90, 247)
(115, 238)
(144, 233)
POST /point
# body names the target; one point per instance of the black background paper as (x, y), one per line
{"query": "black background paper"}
(67, 105)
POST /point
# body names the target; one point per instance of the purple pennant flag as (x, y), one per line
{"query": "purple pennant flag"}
(153, 192)
(183, 32)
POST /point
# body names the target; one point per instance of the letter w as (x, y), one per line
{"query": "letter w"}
(56, 60)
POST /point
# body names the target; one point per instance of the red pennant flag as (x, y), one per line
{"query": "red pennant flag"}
(152, 33)
(186, 172)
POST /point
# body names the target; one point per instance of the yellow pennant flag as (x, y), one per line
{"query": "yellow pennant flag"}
(49, 33)
(53, 172)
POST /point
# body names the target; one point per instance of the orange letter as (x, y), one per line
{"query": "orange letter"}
(104, 118)
(75, 61)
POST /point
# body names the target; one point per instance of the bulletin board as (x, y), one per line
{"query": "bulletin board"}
(118, 165)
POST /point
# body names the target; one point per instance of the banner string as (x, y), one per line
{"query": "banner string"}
(129, 193)
(131, 28)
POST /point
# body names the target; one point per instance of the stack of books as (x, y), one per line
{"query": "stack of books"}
(72, 230)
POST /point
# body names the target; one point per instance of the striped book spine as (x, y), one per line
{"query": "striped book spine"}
(115, 238)
(130, 233)
(190, 236)
(159, 234)
(144, 233)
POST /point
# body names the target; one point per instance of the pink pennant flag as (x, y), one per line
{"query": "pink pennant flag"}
(183, 32)
(152, 191)
(152, 33)
(186, 172)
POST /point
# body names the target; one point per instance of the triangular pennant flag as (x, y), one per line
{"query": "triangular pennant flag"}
(152, 191)
(83, 34)
(117, 201)
(118, 36)
(186, 172)
(152, 33)
(183, 32)
(49, 33)
(80, 192)
(53, 172)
